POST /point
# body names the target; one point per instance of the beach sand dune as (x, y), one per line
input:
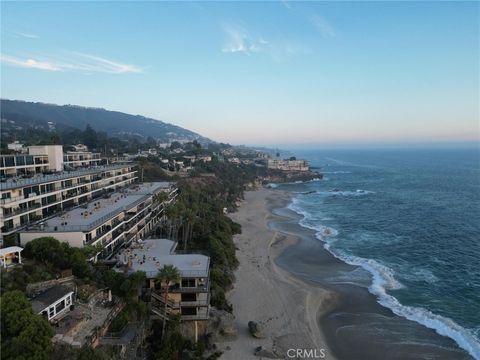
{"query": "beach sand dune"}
(287, 308)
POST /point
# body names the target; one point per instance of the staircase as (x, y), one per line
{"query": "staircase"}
(158, 305)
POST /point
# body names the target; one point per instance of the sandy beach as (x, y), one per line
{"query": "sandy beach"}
(287, 308)
(300, 297)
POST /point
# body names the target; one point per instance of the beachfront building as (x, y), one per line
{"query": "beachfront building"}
(36, 185)
(27, 201)
(112, 220)
(80, 157)
(288, 165)
(10, 256)
(188, 297)
(53, 303)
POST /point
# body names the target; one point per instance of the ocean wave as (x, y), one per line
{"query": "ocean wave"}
(336, 172)
(272, 185)
(383, 279)
(335, 192)
(321, 231)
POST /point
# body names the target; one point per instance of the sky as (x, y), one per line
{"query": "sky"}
(263, 73)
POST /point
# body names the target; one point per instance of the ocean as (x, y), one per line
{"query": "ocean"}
(411, 219)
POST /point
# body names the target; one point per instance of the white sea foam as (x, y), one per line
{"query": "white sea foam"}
(358, 192)
(336, 172)
(272, 185)
(383, 279)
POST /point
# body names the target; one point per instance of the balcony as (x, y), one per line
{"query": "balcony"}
(19, 211)
(194, 289)
(42, 178)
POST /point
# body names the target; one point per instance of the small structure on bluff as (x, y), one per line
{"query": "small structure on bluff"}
(53, 303)
(288, 165)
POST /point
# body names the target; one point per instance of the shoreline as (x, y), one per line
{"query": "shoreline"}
(286, 307)
(343, 317)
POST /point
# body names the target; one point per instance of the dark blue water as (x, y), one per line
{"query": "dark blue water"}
(412, 219)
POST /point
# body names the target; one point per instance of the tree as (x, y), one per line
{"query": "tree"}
(90, 137)
(167, 275)
(25, 335)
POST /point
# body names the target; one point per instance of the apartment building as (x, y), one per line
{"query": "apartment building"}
(36, 186)
(188, 297)
(80, 157)
(113, 220)
(288, 165)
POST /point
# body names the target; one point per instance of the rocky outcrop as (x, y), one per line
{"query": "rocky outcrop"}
(221, 326)
(265, 353)
(255, 330)
(277, 176)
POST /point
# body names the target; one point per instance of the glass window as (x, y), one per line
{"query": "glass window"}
(29, 160)
(9, 161)
(20, 160)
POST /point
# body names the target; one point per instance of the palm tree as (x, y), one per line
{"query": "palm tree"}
(167, 275)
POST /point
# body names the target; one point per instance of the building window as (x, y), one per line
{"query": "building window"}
(188, 282)
(189, 311)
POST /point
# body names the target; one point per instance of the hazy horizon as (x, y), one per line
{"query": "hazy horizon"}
(313, 74)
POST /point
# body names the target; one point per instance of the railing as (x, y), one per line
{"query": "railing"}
(194, 317)
(199, 303)
(160, 298)
(10, 184)
(22, 210)
(185, 274)
(193, 289)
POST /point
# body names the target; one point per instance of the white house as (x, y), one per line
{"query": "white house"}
(53, 302)
(10, 256)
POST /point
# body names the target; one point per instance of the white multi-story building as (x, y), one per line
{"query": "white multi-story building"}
(35, 186)
(288, 165)
(112, 221)
(76, 159)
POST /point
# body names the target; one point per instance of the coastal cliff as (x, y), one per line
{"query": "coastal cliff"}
(278, 176)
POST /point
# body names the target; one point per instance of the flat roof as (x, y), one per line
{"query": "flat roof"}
(10, 250)
(48, 297)
(152, 254)
(95, 212)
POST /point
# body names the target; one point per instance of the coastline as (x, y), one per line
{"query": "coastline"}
(327, 311)
(287, 308)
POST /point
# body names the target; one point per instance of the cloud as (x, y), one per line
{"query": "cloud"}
(29, 63)
(26, 35)
(96, 63)
(322, 25)
(74, 62)
(239, 40)
(286, 4)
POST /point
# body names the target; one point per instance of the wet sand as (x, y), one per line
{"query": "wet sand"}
(306, 298)
(287, 308)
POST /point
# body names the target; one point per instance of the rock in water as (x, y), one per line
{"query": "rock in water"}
(255, 330)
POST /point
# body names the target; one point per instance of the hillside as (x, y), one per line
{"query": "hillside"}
(17, 115)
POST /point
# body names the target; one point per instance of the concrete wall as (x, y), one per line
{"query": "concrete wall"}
(73, 238)
(54, 152)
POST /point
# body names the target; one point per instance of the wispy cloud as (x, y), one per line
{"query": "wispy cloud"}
(239, 40)
(96, 63)
(286, 4)
(73, 62)
(29, 63)
(322, 25)
(26, 35)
